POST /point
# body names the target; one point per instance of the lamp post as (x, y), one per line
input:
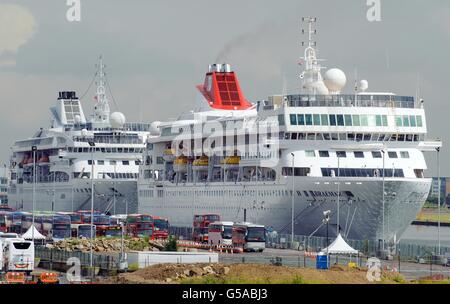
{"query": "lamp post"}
(292, 203)
(338, 190)
(326, 219)
(382, 198)
(33, 148)
(91, 260)
(439, 199)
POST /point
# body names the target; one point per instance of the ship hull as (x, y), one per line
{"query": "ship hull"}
(360, 207)
(76, 195)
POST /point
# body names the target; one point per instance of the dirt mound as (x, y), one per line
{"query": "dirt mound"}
(243, 273)
(168, 273)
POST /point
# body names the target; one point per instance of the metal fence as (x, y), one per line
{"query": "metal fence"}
(58, 258)
(367, 247)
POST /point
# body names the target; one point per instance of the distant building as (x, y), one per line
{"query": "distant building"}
(4, 180)
(445, 190)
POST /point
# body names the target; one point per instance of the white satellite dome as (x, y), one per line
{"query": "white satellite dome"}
(154, 128)
(363, 85)
(85, 133)
(335, 80)
(77, 119)
(117, 120)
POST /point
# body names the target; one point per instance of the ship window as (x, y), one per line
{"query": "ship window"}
(112, 162)
(334, 136)
(301, 119)
(372, 120)
(319, 136)
(332, 120)
(401, 137)
(398, 121)
(90, 162)
(376, 154)
(294, 136)
(364, 121)
(316, 118)
(340, 120)
(324, 119)
(341, 154)
(405, 120)
(308, 119)
(419, 120)
(367, 137)
(125, 162)
(101, 162)
(404, 154)
(280, 122)
(348, 120)
(412, 120)
(385, 121)
(324, 154)
(311, 136)
(310, 153)
(378, 120)
(301, 135)
(287, 135)
(356, 122)
(293, 118)
(392, 154)
(359, 154)
(359, 137)
(326, 136)
(351, 136)
(342, 136)
(409, 137)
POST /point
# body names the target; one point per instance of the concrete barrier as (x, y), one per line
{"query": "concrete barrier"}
(148, 258)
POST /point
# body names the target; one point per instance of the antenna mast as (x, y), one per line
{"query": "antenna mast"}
(312, 82)
(101, 109)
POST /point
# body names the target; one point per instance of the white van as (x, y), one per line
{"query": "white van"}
(220, 233)
(18, 255)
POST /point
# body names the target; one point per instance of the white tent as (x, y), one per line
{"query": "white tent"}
(339, 246)
(29, 234)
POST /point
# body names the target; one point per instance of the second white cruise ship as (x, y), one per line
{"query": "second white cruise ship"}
(359, 155)
(56, 166)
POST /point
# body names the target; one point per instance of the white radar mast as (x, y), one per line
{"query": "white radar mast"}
(312, 81)
(101, 109)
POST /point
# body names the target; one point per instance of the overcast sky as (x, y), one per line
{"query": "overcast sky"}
(156, 51)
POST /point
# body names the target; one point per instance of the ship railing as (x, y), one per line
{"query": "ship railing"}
(344, 100)
(108, 140)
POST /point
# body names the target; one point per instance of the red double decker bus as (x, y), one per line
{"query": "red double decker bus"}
(140, 225)
(160, 227)
(200, 226)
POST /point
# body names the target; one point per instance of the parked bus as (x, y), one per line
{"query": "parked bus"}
(14, 221)
(139, 225)
(249, 237)
(220, 233)
(160, 227)
(83, 230)
(118, 218)
(52, 225)
(3, 215)
(200, 226)
(18, 255)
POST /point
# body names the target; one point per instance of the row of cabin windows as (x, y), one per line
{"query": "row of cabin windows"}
(105, 150)
(351, 136)
(359, 172)
(408, 121)
(113, 162)
(106, 175)
(338, 120)
(357, 154)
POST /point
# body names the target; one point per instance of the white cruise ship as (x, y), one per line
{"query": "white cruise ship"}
(74, 149)
(317, 150)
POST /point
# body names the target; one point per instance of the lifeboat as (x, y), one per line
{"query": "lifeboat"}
(169, 155)
(43, 159)
(230, 162)
(200, 164)
(180, 164)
